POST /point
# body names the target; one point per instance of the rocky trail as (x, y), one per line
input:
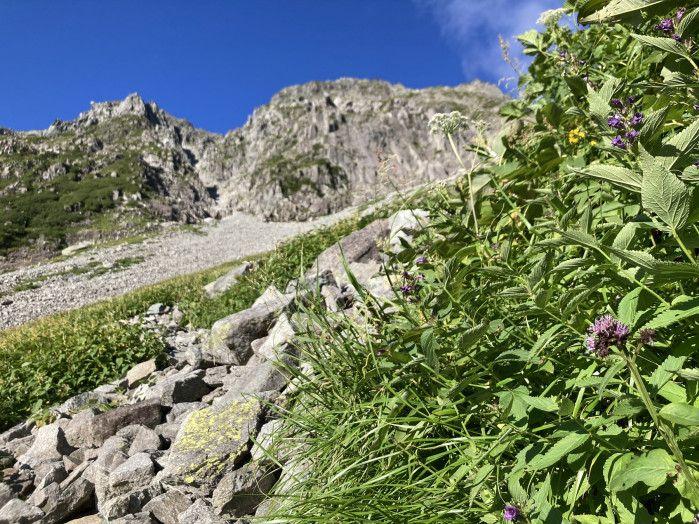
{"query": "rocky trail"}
(99, 273)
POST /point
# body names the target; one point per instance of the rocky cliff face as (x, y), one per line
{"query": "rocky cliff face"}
(312, 150)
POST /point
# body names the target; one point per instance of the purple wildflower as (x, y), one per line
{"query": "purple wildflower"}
(421, 260)
(618, 142)
(406, 289)
(680, 13)
(665, 25)
(379, 352)
(564, 54)
(584, 77)
(696, 163)
(510, 513)
(647, 336)
(581, 62)
(637, 119)
(405, 274)
(617, 103)
(695, 107)
(419, 276)
(631, 100)
(631, 135)
(677, 38)
(615, 121)
(606, 331)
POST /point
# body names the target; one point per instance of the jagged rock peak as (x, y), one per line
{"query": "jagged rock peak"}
(100, 112)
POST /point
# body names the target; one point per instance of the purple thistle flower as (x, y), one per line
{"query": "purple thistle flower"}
(677, 38)
(615, 121)
(618, 142)
(665, 25)
(647, 336)
(617, 103)
(510, 513)
(605, 332)
(631, 135)
(421, 260)
(680, 13)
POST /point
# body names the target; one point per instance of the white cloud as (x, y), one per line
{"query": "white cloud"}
(474, 26)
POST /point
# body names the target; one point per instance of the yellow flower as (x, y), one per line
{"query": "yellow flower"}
(575, 135)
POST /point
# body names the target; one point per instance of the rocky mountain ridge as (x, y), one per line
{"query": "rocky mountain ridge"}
(313, 150)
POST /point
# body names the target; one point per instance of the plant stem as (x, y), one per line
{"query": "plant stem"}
(684, 248)
(470, 185)
(666, 433)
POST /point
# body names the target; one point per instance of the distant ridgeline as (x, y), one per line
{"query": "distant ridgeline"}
(313, 150)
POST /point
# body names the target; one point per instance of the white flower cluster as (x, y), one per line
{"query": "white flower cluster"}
(550, 17)
(441, 123)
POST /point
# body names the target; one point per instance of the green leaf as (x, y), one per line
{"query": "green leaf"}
(664, 44)
(559, 450)
(542, 403)
(682, 307)
(689, 374)
(608, 376)
(629, 407)
(596, 11)
(599, 100)
(471, 336)
(653, 126)
(429, 348)
(678, 413)
(617, 175)
(628, 307)
(651, 468)
(689, 23)
(664, 194)
(662, 374)
(680, 144)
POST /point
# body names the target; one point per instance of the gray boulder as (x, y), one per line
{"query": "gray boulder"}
(241, 491)
(185, 386)
(146, 439)
(200, 512)
(167, 507)
(227, 281)
(212, 441)
(50, 444)
(136, 472)
(250, 380)
(95, 431)
(231, 337)
(19, 512)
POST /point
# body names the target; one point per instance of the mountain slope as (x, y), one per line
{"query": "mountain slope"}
(122, 167)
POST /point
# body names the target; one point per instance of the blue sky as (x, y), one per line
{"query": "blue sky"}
(213, 61)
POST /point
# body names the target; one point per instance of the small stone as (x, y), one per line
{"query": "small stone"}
(214, 376)
(241, 491)
(136, 472)
(180, 411)
(180, 387)
(140, 372)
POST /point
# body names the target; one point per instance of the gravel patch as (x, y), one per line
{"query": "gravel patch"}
(172, 253)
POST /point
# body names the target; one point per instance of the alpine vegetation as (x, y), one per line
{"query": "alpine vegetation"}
(539, 361)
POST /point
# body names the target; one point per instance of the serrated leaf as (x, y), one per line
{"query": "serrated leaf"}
(650, 468)
(664, 194)
(664, 44)
(599, 100)
(471, 336)
(616, 175)
(559, 450)
(678, 413)
(572, 264)
(682, 307)
(666, 371)
(658, 268)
